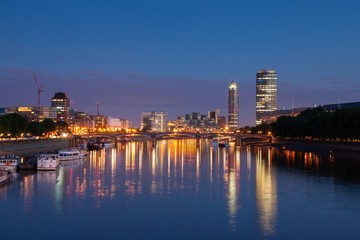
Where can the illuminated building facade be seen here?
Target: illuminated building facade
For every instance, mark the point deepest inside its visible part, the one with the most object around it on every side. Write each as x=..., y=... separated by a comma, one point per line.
x=214, y=115
x=48, y=112
x=62, y=105
x=197, y=122
x=100, y=121
x=266, y=93
x=117, y=123
x=154, y=121
x=26, y=111
x=233, y=106
x=81, y=119
x=221, y=122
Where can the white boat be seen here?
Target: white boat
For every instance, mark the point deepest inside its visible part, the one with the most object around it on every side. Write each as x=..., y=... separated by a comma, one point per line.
x=9, y=162
x=5, y=176
x=48, y=161
x=70, y=154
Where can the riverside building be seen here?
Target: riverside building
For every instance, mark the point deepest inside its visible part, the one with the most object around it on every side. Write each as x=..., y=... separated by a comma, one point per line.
x=266, y=93
x=233, y=106
x=154, y=121
x=62, y=105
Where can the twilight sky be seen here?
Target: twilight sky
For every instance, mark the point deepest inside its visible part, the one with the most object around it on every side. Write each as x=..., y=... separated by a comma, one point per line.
x=178, y=56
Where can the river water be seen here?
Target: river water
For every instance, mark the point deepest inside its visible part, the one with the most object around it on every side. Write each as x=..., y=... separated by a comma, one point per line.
x=180, y=189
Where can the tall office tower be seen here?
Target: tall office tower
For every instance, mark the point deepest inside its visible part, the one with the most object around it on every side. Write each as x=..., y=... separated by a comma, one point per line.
x=61, y=104
x=233, y=106
x=265, y=93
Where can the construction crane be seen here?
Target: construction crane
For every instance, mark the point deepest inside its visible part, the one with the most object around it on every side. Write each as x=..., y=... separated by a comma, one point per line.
x=39, y=89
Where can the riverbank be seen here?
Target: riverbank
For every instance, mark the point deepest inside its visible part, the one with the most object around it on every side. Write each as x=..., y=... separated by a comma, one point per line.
x=24, y=148
x=316, y=145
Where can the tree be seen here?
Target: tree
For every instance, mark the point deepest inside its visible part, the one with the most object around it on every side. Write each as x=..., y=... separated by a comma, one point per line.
x=48, y=125
x=62, y=126
x=35, y=129
x=13, y=124
x=317, y=123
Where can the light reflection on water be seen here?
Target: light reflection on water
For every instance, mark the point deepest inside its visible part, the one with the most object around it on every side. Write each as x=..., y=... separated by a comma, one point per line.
x=266, y=192
x=234, y=192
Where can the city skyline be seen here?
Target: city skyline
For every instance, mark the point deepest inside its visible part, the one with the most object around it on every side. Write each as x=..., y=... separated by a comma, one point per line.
x=177, y=56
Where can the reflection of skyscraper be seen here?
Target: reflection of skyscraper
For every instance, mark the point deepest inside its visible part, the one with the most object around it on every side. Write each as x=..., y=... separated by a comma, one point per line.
x=233, y=106
x=233, y=180
x=266, y=192
x=62, y=105
x=265, y=93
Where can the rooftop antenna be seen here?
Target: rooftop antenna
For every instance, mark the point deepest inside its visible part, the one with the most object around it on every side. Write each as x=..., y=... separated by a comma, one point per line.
x=39, y=89
x=292, y=106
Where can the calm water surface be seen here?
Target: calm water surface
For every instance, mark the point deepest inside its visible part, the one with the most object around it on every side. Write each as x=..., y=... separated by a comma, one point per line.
x=178, y=189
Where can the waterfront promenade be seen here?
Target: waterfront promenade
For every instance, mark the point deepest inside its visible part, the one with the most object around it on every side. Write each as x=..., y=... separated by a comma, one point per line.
x=33, y=146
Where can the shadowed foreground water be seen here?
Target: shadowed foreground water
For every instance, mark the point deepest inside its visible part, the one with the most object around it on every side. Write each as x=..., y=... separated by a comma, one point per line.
x=181, y=190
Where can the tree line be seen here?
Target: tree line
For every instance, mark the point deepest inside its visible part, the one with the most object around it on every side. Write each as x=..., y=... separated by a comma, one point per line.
x=16, y=125
x=316, y=123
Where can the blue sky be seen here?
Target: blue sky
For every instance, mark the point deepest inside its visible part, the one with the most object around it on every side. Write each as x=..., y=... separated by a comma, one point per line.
x=178, y=56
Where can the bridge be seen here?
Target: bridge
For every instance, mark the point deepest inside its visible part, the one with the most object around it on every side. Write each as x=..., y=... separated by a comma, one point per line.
x=240, y=139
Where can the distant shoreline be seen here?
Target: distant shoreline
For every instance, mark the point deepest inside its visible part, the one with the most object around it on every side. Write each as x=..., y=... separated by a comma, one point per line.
x=316, y=145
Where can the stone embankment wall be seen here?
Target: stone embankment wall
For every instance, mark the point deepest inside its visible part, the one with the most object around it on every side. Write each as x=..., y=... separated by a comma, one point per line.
x=24, y=148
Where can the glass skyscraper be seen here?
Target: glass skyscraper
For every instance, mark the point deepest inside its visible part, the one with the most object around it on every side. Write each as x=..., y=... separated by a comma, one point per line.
x=266, y=93
x=233, y=106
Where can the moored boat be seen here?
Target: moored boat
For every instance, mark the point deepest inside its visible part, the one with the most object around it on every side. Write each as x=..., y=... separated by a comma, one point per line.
x=48, y=161
x=70, y=154
x=92, y=145
x=29, y=163
x=9, y=162
x=5, y=176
